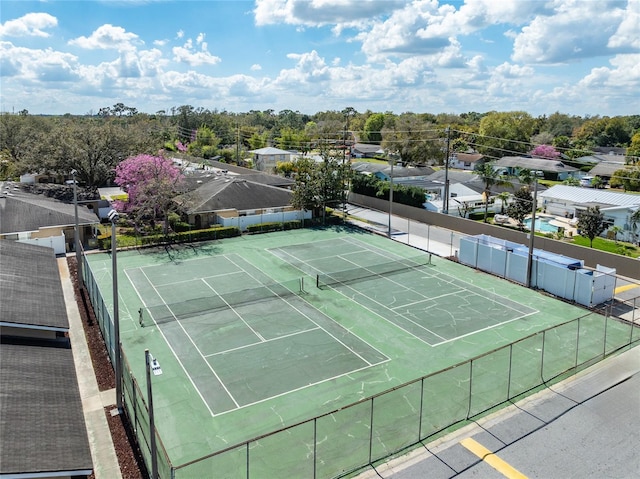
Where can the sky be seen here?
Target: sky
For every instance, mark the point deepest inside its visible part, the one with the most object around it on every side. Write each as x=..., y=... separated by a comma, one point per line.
x=579, y=57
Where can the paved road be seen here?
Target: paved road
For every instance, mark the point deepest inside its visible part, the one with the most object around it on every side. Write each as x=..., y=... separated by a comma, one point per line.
x=586, y=427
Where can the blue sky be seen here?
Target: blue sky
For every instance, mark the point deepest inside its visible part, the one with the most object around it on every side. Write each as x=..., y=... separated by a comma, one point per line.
x=580, y=57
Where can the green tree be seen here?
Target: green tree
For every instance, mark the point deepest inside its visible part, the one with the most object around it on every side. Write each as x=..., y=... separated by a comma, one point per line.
x=504, y=198
x=521, y=206
x=626, y=178
x=634, y=219
x=505, y=134
x=571, y=181
x=319, y=184
x=615, y=230
x=633, y=152
x=591, y=223
x=490, y=177
x=373, y=128
x=416, y=142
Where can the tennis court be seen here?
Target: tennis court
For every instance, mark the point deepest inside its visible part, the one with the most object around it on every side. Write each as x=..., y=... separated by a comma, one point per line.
x=260, y=333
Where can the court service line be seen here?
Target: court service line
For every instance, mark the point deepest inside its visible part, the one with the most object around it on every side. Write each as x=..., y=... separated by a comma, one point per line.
x=265, y=341
x=318, y=325
x=192, y=342
x=256, y=333
x=169, y=344
x=490, y=458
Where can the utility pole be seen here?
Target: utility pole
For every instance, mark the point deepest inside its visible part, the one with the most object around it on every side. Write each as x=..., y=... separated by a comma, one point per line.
x=532, y=232
x=445, y=203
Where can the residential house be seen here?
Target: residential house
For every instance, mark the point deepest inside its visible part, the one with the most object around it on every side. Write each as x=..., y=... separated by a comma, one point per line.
x=266, y=159
x=605, y=170
x=550, y=169
x=465, y=161
x=42, y=427
x=571, y=201
x=38, y=219
x=366, y=150
x=236, y=200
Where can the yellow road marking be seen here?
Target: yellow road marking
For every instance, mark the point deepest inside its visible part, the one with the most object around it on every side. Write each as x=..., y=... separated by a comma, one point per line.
x=490, y=458
x=626, y=287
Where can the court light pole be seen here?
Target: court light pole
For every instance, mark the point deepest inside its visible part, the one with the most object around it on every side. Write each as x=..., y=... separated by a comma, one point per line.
x=114, y=217
x=76, y=230
x=532, y=232
x=390, y=197
x=152, y=365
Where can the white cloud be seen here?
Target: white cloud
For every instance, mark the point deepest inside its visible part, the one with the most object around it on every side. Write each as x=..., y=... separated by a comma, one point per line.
x=29, y=25
x=313, y=13
x=187, y=54
x=256, y=67
x=37, y=65
x=624, y=74
x=627, y=34
x=577, y=29
x=508, y=70
x=108, y=37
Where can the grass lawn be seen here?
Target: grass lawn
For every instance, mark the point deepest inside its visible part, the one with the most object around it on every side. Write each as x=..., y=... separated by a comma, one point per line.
x=619, y=247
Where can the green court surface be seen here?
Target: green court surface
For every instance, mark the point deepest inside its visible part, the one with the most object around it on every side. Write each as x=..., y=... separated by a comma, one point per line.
x=257, y=333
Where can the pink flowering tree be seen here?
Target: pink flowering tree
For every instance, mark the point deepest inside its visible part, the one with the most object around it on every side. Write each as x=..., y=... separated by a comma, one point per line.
x=152, y=183
x=547, y=152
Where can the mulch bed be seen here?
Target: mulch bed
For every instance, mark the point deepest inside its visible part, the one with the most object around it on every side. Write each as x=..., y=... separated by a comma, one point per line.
x=129, y=456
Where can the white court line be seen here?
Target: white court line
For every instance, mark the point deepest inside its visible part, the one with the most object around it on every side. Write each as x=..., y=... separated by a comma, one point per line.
x=171, y=348
x=184, y=281
x=301, y=388
x=444, y=295
x=375, y=312
x=256, y=333
x=264, y=341
x=310, y=319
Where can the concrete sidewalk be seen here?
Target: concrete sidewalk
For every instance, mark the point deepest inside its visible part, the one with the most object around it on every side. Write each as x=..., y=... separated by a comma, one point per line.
x=103, y=455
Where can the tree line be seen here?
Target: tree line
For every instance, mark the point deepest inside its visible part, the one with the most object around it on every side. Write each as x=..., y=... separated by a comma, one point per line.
x=94, y=145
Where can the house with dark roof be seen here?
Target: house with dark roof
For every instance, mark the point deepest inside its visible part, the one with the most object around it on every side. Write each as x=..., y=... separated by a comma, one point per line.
x=366, y=150
x=605, y=170
x=42, y=427
x=551, y=169
x=42, y=220
x=238, y=200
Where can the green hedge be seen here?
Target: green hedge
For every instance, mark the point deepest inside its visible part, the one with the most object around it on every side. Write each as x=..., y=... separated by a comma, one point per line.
x=180, y=237
x=274, y=226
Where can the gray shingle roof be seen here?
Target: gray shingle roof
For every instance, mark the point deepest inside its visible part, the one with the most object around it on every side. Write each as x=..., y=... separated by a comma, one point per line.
x=555, y=166
x=605, y=169
x=42, y=428
x=238, y=193
x=22, y=211
x=30, y=287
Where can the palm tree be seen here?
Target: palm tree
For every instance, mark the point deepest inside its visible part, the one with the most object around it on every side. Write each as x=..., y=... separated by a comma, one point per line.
x=491, y=177
x=615, y=230
x=503, y=197
x=635, y=221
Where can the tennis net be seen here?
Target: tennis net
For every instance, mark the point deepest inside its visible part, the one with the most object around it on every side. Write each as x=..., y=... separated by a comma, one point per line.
x=365, y=272
x=167, y=312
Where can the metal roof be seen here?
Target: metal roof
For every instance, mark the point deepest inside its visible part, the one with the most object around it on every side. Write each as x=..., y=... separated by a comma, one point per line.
x=576, y=194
